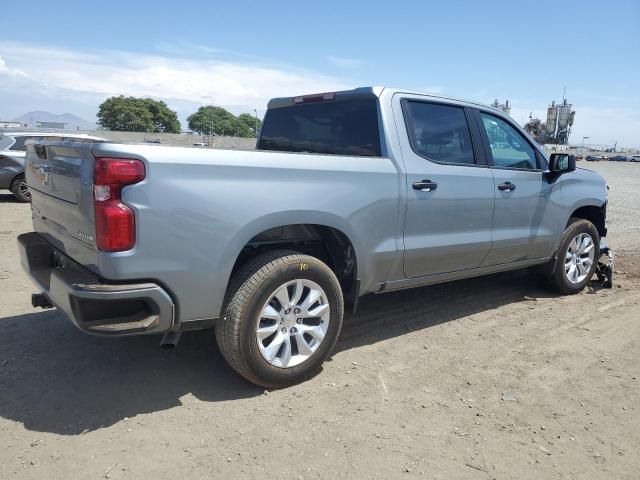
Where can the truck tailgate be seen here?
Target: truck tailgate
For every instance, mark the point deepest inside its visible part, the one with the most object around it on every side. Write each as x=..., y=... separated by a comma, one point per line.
x=60, y=178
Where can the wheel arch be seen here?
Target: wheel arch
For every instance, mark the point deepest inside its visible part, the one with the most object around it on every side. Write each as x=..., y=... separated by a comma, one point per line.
x=594, y=213
x=15, y=179
x=324, y=235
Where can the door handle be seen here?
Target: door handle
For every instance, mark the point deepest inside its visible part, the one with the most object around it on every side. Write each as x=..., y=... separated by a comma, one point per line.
x=507, y=187
x=425, y=185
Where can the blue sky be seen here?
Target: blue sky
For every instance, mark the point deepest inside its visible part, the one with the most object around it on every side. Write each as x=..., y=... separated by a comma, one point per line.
x=68, y=56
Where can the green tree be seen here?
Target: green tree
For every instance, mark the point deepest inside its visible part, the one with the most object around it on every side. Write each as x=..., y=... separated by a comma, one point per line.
x=138, y=115
x=212, y=120
x=217, y=120
x=248, y=124
x=164, y=119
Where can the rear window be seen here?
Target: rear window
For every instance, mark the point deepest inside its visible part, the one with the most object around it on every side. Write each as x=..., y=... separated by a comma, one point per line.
x=347, y=127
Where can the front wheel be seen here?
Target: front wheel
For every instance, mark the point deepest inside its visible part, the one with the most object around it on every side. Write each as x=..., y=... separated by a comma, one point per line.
x=282, y=318
x=20, y=189
x=577, y=257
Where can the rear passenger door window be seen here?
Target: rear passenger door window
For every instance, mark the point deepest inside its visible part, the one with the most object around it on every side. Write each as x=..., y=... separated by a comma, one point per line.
x=439, y=133
x=509, y=148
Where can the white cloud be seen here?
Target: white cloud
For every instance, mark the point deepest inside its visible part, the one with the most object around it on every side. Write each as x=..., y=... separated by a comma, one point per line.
x=12, y=72
x=98, y=74
x=344, y=62
x=34, y=77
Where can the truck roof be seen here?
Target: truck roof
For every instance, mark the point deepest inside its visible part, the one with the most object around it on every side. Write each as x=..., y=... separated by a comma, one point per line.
x=368, y=92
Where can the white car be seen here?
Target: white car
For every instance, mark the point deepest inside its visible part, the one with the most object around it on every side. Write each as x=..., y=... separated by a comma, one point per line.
x=13, y=150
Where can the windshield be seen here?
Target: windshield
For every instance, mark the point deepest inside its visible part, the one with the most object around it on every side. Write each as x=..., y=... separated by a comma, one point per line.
x=348, y=127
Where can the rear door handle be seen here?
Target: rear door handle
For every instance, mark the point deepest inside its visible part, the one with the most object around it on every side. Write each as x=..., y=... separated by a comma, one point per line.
x=425, y=185
x=507, y=187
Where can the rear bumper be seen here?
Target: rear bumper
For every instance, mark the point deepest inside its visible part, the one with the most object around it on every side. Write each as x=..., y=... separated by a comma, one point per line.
x=93, y=306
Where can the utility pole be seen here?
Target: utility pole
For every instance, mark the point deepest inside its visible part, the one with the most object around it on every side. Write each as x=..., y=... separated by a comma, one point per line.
x=256, y=112
x=582, y=145
x=211, y=131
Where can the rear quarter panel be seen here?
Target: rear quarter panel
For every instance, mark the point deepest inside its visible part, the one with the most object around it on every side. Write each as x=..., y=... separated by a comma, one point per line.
x=197, y=209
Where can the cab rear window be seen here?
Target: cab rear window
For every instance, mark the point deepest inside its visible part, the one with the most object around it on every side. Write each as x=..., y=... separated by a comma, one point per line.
x=342, y=127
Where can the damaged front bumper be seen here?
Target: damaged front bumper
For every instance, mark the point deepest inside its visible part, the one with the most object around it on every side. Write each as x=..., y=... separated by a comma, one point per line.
x=604, y=269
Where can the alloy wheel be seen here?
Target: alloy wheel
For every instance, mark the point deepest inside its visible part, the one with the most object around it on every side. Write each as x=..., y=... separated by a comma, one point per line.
x=293, y=323
x=579, y=258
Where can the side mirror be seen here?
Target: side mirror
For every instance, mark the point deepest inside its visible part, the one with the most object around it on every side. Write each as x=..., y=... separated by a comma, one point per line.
x=560, y=163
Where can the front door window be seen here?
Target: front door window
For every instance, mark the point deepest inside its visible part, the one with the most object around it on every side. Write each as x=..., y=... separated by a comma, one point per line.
x=508, y=147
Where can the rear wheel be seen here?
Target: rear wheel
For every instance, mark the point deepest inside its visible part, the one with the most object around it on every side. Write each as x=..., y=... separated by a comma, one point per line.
x=282, y=318
x=20, y=189
x=577, y=258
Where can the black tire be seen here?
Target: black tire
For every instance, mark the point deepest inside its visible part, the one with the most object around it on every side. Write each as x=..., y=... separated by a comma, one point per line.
x=248, y=291
x=554, y=272
x=18, y=188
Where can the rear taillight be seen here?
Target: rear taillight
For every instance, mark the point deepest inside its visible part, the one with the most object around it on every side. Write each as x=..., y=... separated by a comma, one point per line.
x=115, y=222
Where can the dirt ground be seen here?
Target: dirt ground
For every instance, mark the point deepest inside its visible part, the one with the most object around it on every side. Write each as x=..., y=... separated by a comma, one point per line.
x=487, y=378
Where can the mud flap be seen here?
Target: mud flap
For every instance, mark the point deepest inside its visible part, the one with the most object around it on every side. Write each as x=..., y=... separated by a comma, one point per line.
x=604, y=270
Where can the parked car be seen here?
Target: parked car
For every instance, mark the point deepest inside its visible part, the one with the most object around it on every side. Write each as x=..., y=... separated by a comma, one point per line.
x=363, y=191
x=12, y=154
x=200, y=145
x=634, y=158
x=618, y=158
x=593, y=158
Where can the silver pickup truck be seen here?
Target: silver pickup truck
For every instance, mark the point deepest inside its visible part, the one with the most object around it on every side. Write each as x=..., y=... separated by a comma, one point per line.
x=348, y=193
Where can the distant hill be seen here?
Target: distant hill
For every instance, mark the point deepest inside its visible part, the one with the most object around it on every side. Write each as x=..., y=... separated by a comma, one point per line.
x=71, y=120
